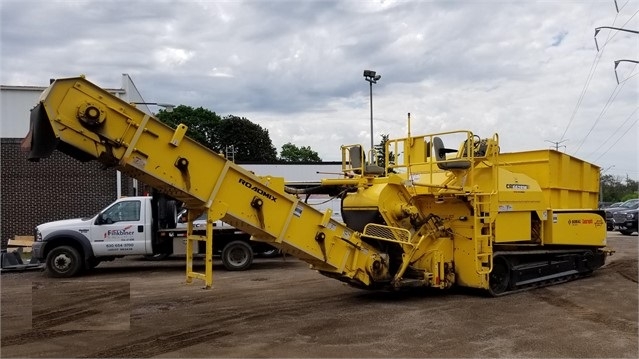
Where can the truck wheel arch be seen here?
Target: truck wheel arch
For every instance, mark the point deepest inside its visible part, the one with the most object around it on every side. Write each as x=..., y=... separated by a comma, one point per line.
x=68, y=238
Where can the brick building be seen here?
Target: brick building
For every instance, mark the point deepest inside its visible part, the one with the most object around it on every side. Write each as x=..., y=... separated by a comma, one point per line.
x=55, y=188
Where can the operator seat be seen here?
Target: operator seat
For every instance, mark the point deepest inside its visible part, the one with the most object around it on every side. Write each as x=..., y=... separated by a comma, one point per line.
x=440, y=155
x=358, y=158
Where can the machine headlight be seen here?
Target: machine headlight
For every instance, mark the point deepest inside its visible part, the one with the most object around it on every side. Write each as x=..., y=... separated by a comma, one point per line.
x=631, y=215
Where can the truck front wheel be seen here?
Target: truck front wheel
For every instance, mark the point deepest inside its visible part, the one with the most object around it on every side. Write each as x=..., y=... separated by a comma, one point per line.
x=64, y=262
x=237, y=256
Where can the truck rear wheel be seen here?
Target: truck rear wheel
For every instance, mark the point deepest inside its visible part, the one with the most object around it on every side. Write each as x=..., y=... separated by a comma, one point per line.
x=237, y=256
x=64, y=262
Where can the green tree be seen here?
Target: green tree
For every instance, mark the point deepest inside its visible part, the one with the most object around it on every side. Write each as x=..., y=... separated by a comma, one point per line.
x=617, y=189
x=202, y=123
x=292, y=153
x=250, y=141
x=380, y=152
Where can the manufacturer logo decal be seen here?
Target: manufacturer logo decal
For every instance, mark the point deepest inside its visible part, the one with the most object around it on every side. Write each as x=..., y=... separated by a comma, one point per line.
x=257, y=190
x=576, y=222
x=517, y=186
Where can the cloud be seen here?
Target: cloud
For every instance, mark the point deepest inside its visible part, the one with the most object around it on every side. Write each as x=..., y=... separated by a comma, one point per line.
x=518, y=67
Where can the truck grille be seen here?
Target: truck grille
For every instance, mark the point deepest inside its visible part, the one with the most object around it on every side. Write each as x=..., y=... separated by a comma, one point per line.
x=619, y=217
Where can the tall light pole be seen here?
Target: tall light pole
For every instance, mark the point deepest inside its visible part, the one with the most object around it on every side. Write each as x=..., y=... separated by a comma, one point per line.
x=372, y=77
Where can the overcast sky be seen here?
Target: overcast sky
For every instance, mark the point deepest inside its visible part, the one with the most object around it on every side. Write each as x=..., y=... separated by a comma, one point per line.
x=528, y=70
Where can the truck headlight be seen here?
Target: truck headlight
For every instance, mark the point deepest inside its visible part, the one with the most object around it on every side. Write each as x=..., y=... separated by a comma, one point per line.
x=631, y=215
x=38, y=236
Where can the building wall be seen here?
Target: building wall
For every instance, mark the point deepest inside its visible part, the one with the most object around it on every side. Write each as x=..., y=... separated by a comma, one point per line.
x=55, y=188
x=297, y=172
x=15, y=103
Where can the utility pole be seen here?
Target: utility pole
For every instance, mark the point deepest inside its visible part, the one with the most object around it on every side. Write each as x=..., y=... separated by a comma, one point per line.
x=557, y=143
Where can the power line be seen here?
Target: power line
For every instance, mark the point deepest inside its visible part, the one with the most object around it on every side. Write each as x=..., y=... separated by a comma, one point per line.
x=593, y=66
x=624, y=24
x=615, y=132
x=620, y=137
x=622, y=6
x=591, y=74
x=611, y=99
x=597, y=29
x=629, y=77
x=617, y=64
x=618, y=88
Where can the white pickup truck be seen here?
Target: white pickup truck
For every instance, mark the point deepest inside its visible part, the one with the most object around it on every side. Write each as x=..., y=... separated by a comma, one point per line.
x=132, y=226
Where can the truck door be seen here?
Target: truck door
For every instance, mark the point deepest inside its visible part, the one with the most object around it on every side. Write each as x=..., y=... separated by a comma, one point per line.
x=120, y=229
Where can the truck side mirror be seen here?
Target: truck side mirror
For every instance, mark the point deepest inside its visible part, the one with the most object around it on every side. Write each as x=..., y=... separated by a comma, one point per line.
x=103, y=219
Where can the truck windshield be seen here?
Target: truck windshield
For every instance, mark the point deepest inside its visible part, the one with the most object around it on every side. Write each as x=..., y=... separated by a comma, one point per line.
x=632, y=204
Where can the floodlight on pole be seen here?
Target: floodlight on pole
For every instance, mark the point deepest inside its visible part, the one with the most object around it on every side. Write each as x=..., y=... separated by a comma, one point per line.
x=372, y=77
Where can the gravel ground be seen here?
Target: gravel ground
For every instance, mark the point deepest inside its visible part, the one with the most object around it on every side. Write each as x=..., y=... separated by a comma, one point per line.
x=279, y=308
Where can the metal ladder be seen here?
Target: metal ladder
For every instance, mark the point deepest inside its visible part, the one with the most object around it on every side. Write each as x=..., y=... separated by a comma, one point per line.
x=230, y=153
x=484, y=217
x=191, y=241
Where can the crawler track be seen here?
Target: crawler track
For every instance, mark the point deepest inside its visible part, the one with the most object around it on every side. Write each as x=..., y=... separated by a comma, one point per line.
x=516, y=271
